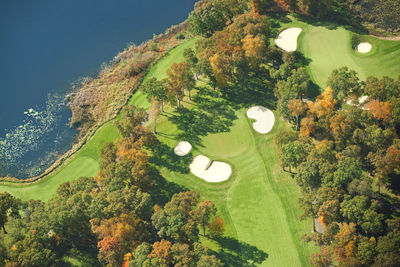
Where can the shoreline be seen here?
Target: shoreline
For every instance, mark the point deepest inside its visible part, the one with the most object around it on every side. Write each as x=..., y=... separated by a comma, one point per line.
x=66, y=157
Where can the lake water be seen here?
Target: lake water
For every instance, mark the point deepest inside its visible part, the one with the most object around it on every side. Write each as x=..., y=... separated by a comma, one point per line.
x=45, y=45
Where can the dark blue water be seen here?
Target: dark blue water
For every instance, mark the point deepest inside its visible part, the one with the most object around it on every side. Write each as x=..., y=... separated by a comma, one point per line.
x=47, y=44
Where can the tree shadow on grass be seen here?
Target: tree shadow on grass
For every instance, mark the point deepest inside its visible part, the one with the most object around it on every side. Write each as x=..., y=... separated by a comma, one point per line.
x=255, y=91
x=164, y=156
x=237, y=253
x=209, y=114
x=162, y=190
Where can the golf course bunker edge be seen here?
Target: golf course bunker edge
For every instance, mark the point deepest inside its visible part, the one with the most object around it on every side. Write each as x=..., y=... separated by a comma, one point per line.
x=182, y=148
x=211, y=171
x=265, y=119
x=287, y=39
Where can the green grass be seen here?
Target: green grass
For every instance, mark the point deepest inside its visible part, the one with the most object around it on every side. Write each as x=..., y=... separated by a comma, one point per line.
x=86, y=161
x=259, y=201
x=330, y=49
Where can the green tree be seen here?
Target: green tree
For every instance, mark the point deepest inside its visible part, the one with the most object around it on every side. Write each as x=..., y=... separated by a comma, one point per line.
x=155, y=89
x=344, y=83
x=131, y=117
x=9, y=206
x=191, y=58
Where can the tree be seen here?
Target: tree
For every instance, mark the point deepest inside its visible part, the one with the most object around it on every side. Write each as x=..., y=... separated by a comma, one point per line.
x=261, y=6
x=344, y=83
x=191, y=58
x=353, y=209
x=321, y=259
x=110, y=251
x=347, y=170
x=162, y=250
x=297, y=108
x=254, y=49
x=380, y=110
x=155, y=89
x=131, y=117
x=383, y=89
x=175, y=220
x=324, y=104
x=204, y=212
x=209, y=261
x=9, y=206
x=307, y=126
x=217, y=226
x=294, y=153
x=108, y=154
x=180, y=78
x=206, y=18
x=308, y=204
x=141, y=254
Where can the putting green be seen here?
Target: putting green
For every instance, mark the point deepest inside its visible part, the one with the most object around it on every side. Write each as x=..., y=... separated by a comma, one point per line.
x=330, y=49
x=86, y=161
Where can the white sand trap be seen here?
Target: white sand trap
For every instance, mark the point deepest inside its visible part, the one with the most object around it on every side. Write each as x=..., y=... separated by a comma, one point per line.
x=216, y=172
x=182, y=148
x=364, y=47
x=361, y=100
x=287, y=39
x=264, y=117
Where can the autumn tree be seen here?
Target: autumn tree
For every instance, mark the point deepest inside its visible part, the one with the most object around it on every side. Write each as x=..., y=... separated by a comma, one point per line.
x=254, y=49
x=321, y=259
x=110, y=251
x=180, y=78
x=380, y=110
x=162, y=250
x=204, y=212
x=9, y=206
x=297, y=108
x=217, y=226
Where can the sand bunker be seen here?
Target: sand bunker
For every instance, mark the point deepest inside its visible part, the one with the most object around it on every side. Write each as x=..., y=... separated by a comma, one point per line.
x=182, y=148
x=212, y=172
x=264, y=117
x=364, y=47
x=287, y=39
x=361, y=100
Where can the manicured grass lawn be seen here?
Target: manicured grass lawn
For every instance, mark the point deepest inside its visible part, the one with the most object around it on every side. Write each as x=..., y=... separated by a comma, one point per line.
x=330, y=49
x=86, y=161
x=259, y=201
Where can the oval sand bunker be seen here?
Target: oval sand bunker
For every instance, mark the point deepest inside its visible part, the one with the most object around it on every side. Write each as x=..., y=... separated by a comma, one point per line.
x=264, y=117
x=182, y=148
x=212, y=172
x=364, y=47
x=287, y=39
